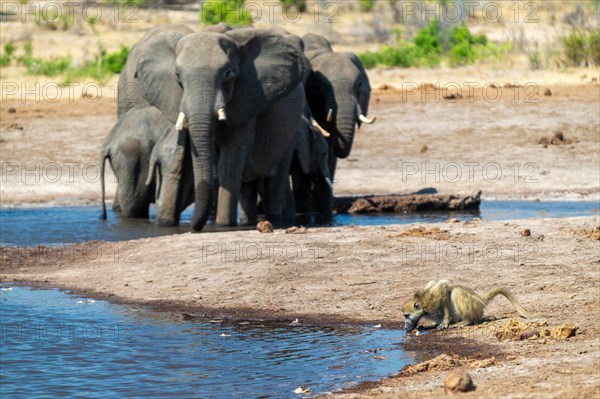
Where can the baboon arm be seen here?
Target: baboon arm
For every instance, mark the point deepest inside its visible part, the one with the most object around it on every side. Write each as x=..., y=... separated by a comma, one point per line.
x=446, y=315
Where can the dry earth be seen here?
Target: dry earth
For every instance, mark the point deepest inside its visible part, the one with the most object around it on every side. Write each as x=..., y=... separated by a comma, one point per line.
x=420, y=140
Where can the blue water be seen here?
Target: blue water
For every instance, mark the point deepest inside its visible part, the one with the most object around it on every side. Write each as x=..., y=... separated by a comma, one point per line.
x=63, y=225
x=58, y=345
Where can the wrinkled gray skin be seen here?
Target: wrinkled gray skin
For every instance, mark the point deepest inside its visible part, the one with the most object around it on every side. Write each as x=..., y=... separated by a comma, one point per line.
x=309, y=171
x=254, y=75
x=338, y=81
x=128, y=147
x=171, y=171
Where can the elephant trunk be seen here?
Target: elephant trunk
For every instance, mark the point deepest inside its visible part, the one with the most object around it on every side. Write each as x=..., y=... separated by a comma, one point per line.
x=346, y=125
x=201, y=126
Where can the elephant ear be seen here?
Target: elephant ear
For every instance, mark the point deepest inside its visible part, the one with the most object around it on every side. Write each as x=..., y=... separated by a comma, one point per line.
x=364, y=92
x=155, y=73
x=304, y=150
x=271, y=66
x=315, y=45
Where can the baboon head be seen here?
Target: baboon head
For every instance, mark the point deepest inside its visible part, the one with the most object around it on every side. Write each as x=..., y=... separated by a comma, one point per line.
x=413, y=311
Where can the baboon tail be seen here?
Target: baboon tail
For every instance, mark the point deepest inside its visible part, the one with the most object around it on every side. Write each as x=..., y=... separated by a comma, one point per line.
x=506, y=293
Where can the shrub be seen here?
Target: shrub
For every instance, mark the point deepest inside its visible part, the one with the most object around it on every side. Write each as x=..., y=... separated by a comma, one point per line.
x=232, y=12
x=594, y=47
x=426, y=48
x=114, y=62
x=574, y=47
x=366, y=5
x=9, y=49
x=51, y=67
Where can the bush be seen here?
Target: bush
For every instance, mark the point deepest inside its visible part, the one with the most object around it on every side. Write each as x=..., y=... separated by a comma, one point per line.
x=427, y=49
x=574, y=46
x=232, y=12
x=51, y=67
x=104, y=65
x=594, y=47
x=366, y=5
x=9, y=49
x=114, y=62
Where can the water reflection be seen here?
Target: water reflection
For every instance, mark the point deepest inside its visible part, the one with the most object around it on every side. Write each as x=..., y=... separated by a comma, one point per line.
x=64, y=225
x=54, y=344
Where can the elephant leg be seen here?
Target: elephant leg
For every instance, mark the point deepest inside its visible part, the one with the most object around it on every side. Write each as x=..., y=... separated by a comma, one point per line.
x=167, y=212
x=115, y=205
x=276, y=189
x=302, y=198
x=234, y=147
x=323, y=196
x=289, y=210
x=248, y=203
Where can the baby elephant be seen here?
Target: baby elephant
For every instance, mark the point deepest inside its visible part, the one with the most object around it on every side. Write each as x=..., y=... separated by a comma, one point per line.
x=128, y=147
x=447, y=304
x=171, y=172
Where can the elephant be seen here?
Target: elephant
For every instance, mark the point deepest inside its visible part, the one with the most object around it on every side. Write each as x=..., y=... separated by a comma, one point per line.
x=127, y=147
x=241, y=89
x=171, y=172
x=128, y=93
x=309, y=169
x=337, y=92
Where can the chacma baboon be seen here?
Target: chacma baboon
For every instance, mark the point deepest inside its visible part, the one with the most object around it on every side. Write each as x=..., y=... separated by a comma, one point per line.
x=446, y=304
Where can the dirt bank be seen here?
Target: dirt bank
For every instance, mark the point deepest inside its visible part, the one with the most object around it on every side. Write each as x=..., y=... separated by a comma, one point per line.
x=362, y=274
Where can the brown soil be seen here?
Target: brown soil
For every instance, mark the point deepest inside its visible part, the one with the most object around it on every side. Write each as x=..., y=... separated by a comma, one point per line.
x=50, y=150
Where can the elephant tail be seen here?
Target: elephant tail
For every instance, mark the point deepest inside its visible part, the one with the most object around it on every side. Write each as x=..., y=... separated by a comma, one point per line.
x=103, y=156
x=154, y=164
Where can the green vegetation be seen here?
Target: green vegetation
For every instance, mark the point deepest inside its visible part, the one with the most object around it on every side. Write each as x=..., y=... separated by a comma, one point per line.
x=232, y=12
x=366, y=5
x=104, y=65
x=9, y=49
x=582, y=48
x=430, y=45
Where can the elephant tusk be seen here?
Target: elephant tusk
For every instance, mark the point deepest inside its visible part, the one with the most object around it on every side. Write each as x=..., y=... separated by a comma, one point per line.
x=366, y=120
x=330, y=115
x=323, y=131
x=221, y=114
x=329, y=183
x=180, y=121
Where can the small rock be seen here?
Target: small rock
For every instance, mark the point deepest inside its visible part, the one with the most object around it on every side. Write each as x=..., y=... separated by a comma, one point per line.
x=458, y=380
x=296, y=230
x=525, y=233
x=384, y=86
x=548, y=92
x=264, y=227
x=559, y=135
x=424, y=148
x=12, y=110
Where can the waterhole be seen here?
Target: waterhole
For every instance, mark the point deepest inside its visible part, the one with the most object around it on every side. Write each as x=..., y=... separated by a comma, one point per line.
x=59, y=345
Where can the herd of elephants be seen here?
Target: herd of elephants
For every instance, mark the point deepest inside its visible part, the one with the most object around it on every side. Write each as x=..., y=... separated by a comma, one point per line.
x=228, y=119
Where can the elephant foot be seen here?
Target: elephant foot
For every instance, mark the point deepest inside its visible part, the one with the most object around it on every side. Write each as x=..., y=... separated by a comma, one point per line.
x=166, y=223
